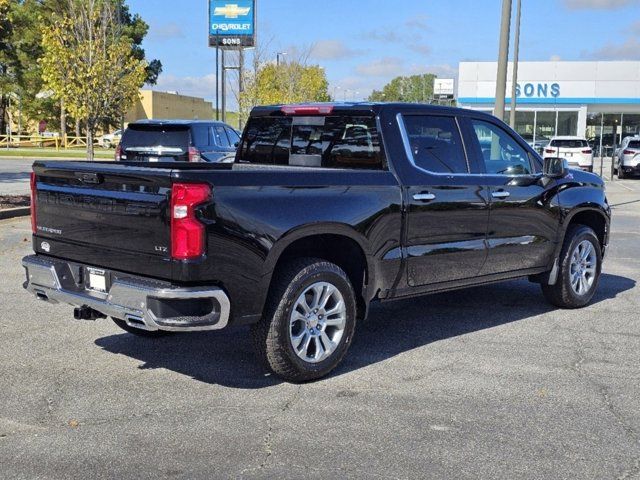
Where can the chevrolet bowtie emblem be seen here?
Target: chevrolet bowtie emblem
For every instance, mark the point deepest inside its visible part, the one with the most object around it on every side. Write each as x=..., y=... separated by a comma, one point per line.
x=231, y=10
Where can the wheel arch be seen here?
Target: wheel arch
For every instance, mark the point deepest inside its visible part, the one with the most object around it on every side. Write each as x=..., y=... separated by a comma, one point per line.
x=336, y=243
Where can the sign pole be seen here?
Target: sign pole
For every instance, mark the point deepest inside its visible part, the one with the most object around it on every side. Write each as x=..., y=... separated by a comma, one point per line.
x=224, y=88
x=217, y=83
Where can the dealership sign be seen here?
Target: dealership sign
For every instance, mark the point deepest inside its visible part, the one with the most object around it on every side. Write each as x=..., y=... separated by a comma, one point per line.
x=538, y=90
x=232, y=23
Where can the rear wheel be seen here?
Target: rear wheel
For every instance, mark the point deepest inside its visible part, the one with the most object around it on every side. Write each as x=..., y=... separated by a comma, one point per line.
x=621, y=173
x=138, y=331
x=309, y=321
x=579, y=269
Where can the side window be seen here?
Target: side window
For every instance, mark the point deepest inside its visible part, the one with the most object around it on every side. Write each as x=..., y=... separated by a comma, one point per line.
x=220, y=136
x=199, y=135
x=234, y=138
x=435, y=143
x=502, y=154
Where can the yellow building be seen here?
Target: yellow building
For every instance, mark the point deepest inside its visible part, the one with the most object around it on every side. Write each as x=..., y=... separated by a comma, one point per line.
x=158, y=105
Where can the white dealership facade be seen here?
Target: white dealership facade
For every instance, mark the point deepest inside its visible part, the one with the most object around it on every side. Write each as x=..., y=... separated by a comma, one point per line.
x=562, y=98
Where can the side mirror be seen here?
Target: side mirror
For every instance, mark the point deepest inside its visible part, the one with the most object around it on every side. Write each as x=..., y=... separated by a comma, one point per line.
x=555, y=167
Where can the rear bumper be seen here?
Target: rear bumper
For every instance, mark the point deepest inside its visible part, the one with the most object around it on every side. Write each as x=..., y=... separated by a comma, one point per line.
x=142, y=303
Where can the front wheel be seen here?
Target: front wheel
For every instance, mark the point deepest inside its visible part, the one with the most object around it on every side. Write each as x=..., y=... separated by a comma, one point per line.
x=579, y=269
x=309, y=320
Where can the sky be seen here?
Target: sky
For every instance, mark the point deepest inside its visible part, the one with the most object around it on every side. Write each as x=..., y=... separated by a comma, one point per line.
x=363, y=44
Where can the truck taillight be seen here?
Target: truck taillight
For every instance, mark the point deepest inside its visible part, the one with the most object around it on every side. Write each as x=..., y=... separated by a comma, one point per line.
x=34, y=197
x=588, y=151
x=118, y=153
x=194, y=154
x=187, y=232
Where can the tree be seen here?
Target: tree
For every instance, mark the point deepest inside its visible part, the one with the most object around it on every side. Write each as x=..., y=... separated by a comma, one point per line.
x=290, y=82
x=416, y=88
x=89, y=64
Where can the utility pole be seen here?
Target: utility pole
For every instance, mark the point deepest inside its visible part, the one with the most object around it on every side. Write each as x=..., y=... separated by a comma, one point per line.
x=503, y=57
x=217, y=83
x=514, y=80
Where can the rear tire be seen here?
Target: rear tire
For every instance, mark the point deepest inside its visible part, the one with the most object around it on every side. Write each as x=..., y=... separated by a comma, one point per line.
x=138, y=331
x=579, y=269
x=308, y=322
x=621, y=174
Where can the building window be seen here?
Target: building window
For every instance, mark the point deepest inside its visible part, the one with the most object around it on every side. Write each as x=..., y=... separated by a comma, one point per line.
x=567, y=123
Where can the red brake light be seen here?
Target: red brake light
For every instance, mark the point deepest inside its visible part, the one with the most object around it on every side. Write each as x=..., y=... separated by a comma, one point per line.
x=187, y=233
x=549, y=150
x=628, y=152
x=194, y=154
x=588, y=150
x=118, y=153
x=34, y=197
x=307, y=109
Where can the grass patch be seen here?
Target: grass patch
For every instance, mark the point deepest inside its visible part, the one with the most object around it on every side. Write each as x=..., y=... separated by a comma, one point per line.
x=101, y=153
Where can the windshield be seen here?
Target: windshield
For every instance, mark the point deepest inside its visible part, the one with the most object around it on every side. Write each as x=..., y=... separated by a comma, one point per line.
x=156, y=135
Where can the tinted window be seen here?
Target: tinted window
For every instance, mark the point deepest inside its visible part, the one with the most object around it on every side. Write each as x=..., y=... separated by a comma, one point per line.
x=234, y=138
x=501, y=152
x=634, y=144
x=331, y=142
x=156, y=135
x=569, y=143
x=435, y=143
x=267, y=140
x=200, y=135
x=220, y=136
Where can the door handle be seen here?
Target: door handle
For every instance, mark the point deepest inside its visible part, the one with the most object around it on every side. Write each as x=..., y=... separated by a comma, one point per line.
x=501, y=194
x=424, y=197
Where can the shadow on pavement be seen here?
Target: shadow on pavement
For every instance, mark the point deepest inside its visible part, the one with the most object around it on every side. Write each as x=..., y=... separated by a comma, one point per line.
x=8, y=177
x=226, y=357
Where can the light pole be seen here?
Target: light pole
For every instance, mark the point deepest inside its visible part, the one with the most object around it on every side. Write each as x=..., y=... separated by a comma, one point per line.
x=514, y=80
x=503, y=57
x=278, y=57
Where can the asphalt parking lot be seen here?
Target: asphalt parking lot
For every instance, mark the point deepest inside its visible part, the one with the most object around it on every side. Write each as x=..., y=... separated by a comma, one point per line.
x=485, y=383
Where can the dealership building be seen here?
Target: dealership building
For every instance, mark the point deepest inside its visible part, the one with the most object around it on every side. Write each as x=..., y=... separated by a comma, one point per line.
x=589, y=99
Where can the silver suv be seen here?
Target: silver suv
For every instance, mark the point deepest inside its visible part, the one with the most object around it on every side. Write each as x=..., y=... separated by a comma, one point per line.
x=628, y=157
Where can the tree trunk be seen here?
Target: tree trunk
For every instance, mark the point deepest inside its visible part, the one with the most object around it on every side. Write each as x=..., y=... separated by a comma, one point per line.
x=90, y=130
x=63, y=121
x=77, y=127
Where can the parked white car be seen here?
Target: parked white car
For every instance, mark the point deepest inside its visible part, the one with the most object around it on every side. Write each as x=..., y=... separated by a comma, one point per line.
x=628, y=156
x=575, y=150
x=110, y=139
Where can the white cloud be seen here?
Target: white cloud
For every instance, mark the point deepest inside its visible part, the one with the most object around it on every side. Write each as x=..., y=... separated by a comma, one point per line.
x=166, y=31
x=204, y=86
x=599, y=4
x=331, y=50
x=628, y=50
x=418, y=22
x=383, y=67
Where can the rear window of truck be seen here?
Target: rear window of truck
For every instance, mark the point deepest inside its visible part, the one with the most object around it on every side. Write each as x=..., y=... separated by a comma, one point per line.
x=156, y=135
x=329, y=142
x=569, y=143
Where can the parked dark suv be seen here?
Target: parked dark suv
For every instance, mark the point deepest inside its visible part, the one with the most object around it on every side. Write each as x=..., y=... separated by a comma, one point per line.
x=177, y=141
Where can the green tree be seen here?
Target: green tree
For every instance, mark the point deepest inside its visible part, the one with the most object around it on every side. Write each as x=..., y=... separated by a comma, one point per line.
x=291, y=82
x=89, y=64
x=416, y=88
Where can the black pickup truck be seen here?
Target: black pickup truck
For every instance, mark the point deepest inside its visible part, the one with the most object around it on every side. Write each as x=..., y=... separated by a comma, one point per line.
x=327, y=208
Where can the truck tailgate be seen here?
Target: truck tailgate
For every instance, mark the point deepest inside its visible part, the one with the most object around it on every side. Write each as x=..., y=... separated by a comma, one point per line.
x=104, y=213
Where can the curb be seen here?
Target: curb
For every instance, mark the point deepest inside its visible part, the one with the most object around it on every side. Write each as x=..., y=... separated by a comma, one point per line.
x=15, y=212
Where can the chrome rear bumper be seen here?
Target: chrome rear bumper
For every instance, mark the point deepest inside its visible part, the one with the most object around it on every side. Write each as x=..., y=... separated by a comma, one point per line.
x=142, y=303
